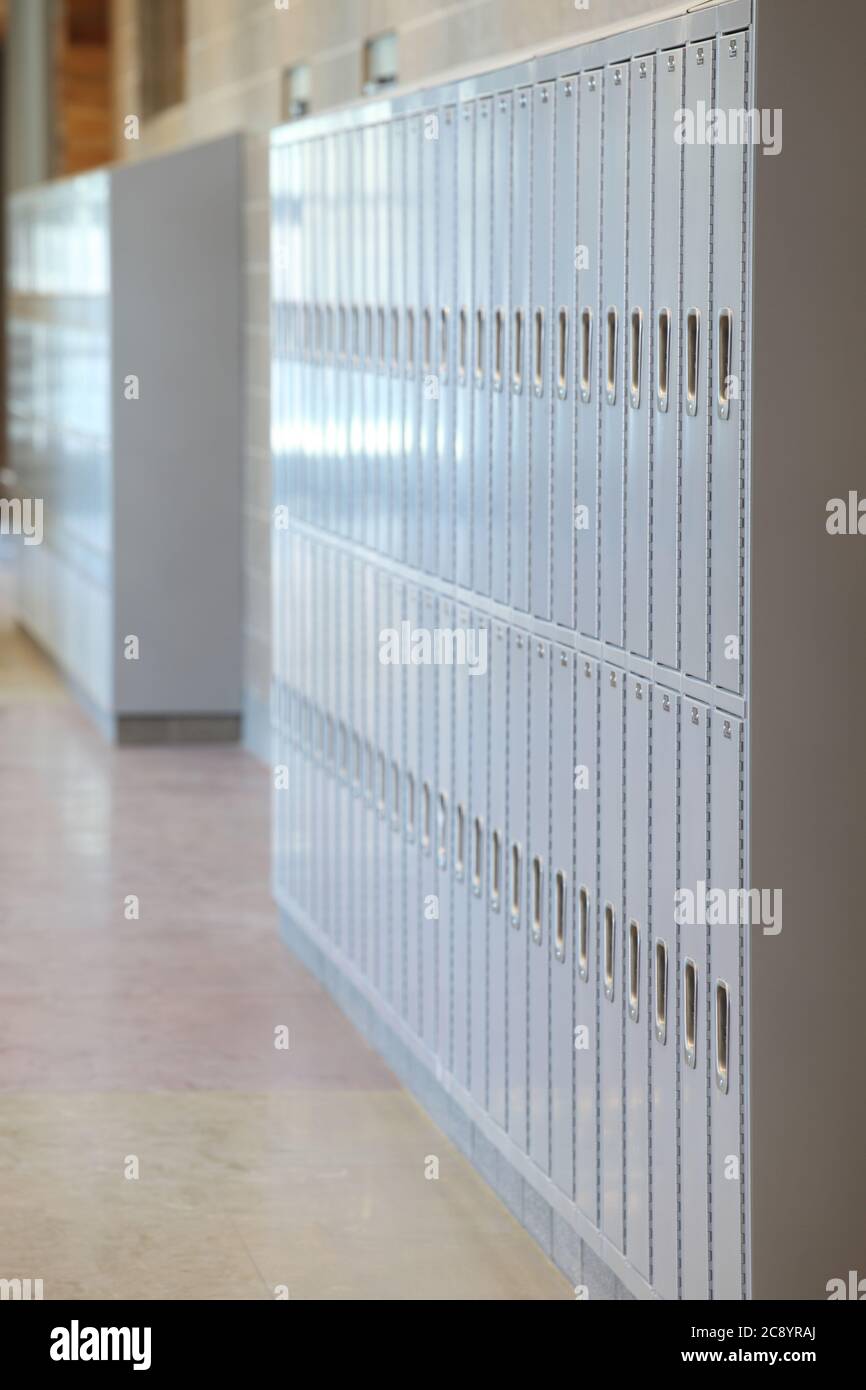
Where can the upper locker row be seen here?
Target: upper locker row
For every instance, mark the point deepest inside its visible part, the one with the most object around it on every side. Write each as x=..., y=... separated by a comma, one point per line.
x=509, y=342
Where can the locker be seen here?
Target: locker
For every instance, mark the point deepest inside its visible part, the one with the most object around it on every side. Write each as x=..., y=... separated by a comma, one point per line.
x=638, y=330
x=663, y=953
x=326, y=294
x=500, y=308
x=668, y=317
x=612, y=947
x=694, y=1002
x=697, y=331
x=518, y=525
x=412, y=338
x=636, y=927
x=460, y=811
x=305, y=162
x=478, y=754
x=481, y=342
x=403, y=813
x=726, y=944
x=537, y=878
x=543, y=334
x=376, y=739
x=429, y=222
x=418, y=838
x=451, y=727
x=444, y=331
x=564, y=317
x=371, y=338
x=727, y=378
x=436, y=930
x=333, y=844
x=359, y=758
x=385, y=693
x=518, y=933
x=355, y=170
x=561, y=900
x=344, y=918
x=342, y=292
x=400, y=386
x=497, y=853
x=315, y=809
x=464, y=342
x=614, y=334
x=587, y=954
x=587, y=350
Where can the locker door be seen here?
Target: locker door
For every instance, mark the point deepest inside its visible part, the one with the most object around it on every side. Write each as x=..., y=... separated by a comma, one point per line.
x=477, y=871
x=667, y=316
x=730, y=220
x=587, y=954
x=429, y=222
x=726, y=1017
x=636, y=927
x=382, y=330
x=561, y=898
x=518, y=931
x=497, y=854
x=464, y=336
x=444, y=335
x=460, y=822
x=500, y=308
x=537, y=874
x=562, y=328
x=306, y=331
x=613, y=331
x=611, y=979
x=400, y=386
x=356, y=336
x=587, y=346
x=373, y=374
x=520, y=372
x=418, y=837
x=386, y=692
x=344, y=916
x=451, y=724
x=313, y=500
x=315, y=810
x=481, y=342
x=694, y=995
x=412, y=338
x=665, y=974
x=360, y=769
x=638, y=330
x=377, y=773
x=327, y=271
x=542, y=333
x=403, y=814
x=697, y=333
x=342, y=295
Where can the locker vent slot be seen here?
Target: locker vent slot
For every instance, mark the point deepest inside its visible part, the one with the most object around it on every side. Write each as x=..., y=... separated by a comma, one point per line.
x=693, y=348
x=663, y=357
x=498, y=334
x=443, y=342
x=539, y=351
x=611, y=356
x=427, y=342
x=723, y=1019
x=462, y=345
x=479, y=347
x=583, y=934
x=634, y=971
x=425, y=816
x=563, y=353
x=395, y=339
x=496, y=870
x=609, y=947
x=559, y=916
x=586, y=355
x=410, y=803
x=410, y=340
x=442, y=842
x=690, y=1011
x=515, y=885
x=726, y=335
x=536, y=898
x=518, y=350
x=395, y=795
x=477, y=853
x=636, y=355
x=460, y=842
x=661, y=992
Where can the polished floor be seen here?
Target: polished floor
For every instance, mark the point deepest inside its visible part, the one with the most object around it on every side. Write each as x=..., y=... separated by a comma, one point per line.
x=154, y=1142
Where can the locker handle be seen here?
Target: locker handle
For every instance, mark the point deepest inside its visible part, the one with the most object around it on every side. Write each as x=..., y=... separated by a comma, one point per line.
x=539, y=352
x=425, y=817
x=410, y=341
x=329, y=332
x=611, y=355
x=479, y=347
x=693, y=351
x=383, y=346
x=690, y=1012
x=583, y=935
x=318, y=342
x=443, y=343
x=563, y=354
x=330, y=743
x=537, y=884
x=442, y=848
x=559, y=916
x=586, y=355
x=395, y=795
x=498, y=335
x=395, y=339
x=609, y=946
x=723, y=1033
x=344, y=750
x=460, y=841
x=356, y=762
x=515, y=885
x=307, y=331
x=663, y=358
x=726, y=334
x=517, y=373
x=495, y=869
x=661, y=992
x=381, y=783
x=368, y=334
x=342, y=336
x=634, y=971
x=477, y=854
x=636, y=355
x=463, y=334
x=410, y=805
x=426, y=342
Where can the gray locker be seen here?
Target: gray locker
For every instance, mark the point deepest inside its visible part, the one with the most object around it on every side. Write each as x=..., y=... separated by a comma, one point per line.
x=383, y=331
x=481, y=346
x=500, y=309
x=478, y=754
x=445, y=132
x=316, y=807
x=376, y=765
x=464, y=337
x=613, y=346
x=385, y=694
x=418, y=839
x=370, y=346
x=537, y=875
x=542, y=332
x=518, y=930
x=694, y=1002
x=563, y=378
x=460, y=810
x=560, y=915
x=520, y=354
x=587, y=351
x=436, y=895
x=343, y=632
x=400, y=386
x=359, y=764
x=612, y=948
x=587, y=952
x=341, y=213
x=497, y=855
x=412, y=338
x=429, y=223
x=697, y=331
x=636, y=976
x=639, y=402
x=358, y=404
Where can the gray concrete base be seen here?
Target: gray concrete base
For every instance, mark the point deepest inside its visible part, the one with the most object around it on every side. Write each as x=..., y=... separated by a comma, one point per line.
x=581, y=1265
x=161, y=730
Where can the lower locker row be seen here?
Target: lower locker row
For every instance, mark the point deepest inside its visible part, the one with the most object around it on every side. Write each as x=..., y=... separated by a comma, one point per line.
x=511, y=841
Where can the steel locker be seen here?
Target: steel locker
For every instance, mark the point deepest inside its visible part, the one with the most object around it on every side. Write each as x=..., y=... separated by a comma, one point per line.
x=588, y=350
x=664, y=961
x=479, y=753
x=444, y=337
x=358, y=403
x=560, y=916
x=429, y=223
x=612, y=947
x=697, y=331
x=315, y=810
x=562, y=329
x=587, y=957
x=613, y=335
x=327, y=468
x=464, y=328
x=341, y=212
x=301, y=795
x=667, y=356
x=374, y=374
x=639, y=357
x=296, y=778
x=436, y=895
x=383, y=331
x=520, y=353
x=537, y=877
x=481, y=344
x=386, y=692
x=459, y=822
x=332, y=840
x=376, y=761
x=542, y=338
x=359, y=762
x=418, y=838
x=727, y=376
x=727, y=934
x=500, y=310
x=636, y=976
x=400, y=387
x=412, y=337
x=316, y=456
x=497, y=853
x=517, y=963
x=446, y=720
x=404, y=803
x=305, y=369
x=694, y=1001
x=345, y=682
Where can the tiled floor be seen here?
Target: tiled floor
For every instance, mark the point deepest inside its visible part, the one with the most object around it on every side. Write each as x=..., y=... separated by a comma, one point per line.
x=148, y=1043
